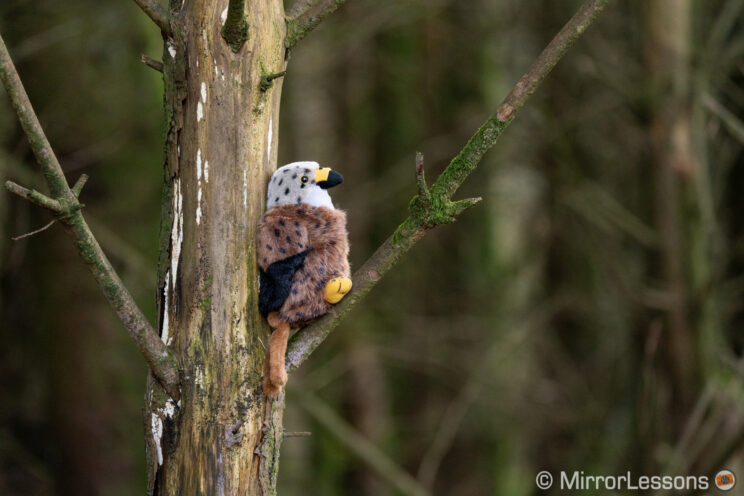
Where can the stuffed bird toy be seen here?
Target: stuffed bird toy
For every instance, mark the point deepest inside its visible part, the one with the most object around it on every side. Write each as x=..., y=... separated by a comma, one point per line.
x=303, y=253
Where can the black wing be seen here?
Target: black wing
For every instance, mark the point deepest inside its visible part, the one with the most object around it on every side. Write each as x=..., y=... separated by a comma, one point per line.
x=276, y=281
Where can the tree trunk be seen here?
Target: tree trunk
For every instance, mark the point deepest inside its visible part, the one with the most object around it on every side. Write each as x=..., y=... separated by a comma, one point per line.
x=222, y=437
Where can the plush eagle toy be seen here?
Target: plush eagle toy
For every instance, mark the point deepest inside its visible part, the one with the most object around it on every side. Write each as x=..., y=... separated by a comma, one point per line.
x=303, y=253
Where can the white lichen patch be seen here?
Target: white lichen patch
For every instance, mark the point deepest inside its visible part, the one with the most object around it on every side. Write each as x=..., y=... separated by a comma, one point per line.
x=169, y=409
x=166, y=310
x=206, y=171
x=157, y=435
x=268, y=140
x=171, y=48
x=216, y=72
x=156, y=425
x=220, y=476
x=223, y=16
x=198, y=205
x=176, y=230
x=199, y=111
x=198, y=165
x=204, y=92
x=245, y=189
x=199, y=185
x=199, y=378
x=240, y=336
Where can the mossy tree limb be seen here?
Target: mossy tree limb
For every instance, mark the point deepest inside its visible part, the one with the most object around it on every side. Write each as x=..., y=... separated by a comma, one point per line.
x=432, y=207
x=34, y=196
x=64, y=204
x=235, y=29
x=305, y=15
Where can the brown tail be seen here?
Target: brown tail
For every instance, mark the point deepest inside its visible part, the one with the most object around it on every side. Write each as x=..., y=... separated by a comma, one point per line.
x=275, y=377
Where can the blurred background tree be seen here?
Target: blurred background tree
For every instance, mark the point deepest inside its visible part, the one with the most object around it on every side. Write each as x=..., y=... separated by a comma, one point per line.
x=586, y=316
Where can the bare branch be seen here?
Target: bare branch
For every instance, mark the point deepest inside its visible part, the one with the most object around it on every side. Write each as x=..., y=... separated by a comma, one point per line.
x=65, y=205
x=35, y=197
x=37, y=231
x=267, y=80
x=79, y=184
x=157, y=13
x=305, y=15
x=423, y=189
x=298, y=434
x=482, y=141
x=435, y=208
x=729, y=119
x=359, y=445
x=152, y=63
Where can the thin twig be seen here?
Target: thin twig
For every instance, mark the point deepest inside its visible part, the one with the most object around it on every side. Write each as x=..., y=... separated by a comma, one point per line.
x=420, y=218
x=729, y=119
x=79, y=184
x=451, y=420
x=41, y=229
x=152, y=63
x=729, y=446
x=692, y=427
x=305, y=15
x=157, y=13
x=423, y=189
x=298, y=434
x=64, y=203
x=359, y=445
x=267, y=79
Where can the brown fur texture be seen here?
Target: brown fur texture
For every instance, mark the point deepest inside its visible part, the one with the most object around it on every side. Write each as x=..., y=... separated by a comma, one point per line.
x=287, y=230
x=275, y=376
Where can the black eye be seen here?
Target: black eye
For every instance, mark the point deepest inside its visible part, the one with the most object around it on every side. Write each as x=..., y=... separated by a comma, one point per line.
x=303, y=179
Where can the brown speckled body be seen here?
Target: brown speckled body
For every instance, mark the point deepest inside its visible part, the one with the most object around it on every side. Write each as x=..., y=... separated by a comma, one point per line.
x=287, y=230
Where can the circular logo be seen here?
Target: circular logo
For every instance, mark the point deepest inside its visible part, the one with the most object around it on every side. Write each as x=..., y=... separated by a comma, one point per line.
x=544, y=480
x=725, y=480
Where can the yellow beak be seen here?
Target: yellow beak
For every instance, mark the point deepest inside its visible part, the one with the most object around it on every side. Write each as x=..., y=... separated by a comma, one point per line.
x=322, y=174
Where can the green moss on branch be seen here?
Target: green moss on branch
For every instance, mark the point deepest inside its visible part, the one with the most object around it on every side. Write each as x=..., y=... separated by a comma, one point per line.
x=65, y=206
x=235, y=29
x=433, y=207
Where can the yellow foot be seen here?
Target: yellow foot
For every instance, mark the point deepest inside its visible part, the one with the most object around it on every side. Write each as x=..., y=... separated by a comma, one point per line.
x=336, y=289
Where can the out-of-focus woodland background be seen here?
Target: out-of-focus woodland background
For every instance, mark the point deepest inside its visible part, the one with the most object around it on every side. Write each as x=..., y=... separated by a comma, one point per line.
x=586, y=316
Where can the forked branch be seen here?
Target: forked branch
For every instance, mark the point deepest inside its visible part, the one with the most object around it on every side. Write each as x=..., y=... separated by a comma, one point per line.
x=157, y=13
x=305, y=15
x=63, y=204
x=152, y=63
x=433, y=206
